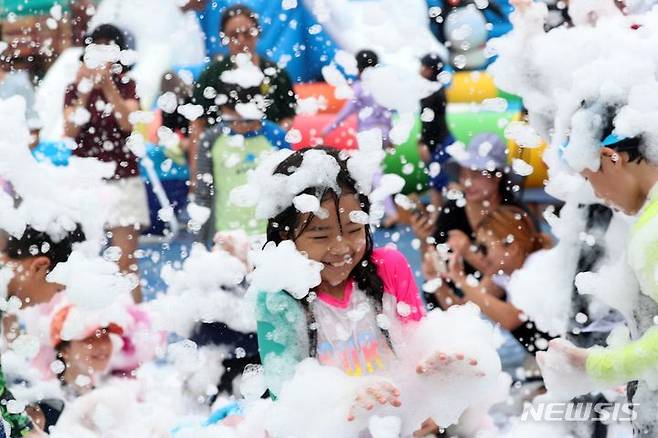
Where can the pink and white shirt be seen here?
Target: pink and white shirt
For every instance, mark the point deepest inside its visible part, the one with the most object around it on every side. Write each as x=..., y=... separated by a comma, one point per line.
x=349, y=330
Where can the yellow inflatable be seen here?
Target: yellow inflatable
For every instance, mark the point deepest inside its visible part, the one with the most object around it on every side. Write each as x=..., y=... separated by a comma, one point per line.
x=532, y=156
x=471, y=86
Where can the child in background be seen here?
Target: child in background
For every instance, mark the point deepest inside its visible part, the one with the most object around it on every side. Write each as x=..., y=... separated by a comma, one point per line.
x=227, y=152
x=435, y=135
x=86, y=355
x=355, y=275
x=505, y=238
x=370, y=115
x=97, y=109
x=627, y=179
x=30, y=285
x=86, y=344
x=32, y=257
x=486, y=185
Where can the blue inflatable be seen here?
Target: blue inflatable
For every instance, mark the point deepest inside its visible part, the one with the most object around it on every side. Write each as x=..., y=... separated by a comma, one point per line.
x=500, y=26
x=284, y=34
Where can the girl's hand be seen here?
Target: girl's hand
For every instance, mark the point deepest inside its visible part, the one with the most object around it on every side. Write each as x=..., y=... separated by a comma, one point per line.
x=235, y=243
x=456, y=272
x=458, y=241
x=367, y=398
x=84, y=72
x=105, y=78
x=440, y=361
x=424, y=152
x=429, y=265
x=423, y=224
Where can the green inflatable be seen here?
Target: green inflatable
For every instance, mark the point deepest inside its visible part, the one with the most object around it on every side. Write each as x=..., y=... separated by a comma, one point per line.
x=463, y=125
x=406, y=163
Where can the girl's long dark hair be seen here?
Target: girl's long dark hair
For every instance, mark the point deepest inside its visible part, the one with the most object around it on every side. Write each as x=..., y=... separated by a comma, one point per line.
x=286, y=226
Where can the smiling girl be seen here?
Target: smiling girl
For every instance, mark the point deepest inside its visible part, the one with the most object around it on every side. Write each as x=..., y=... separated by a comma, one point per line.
x=364, y=296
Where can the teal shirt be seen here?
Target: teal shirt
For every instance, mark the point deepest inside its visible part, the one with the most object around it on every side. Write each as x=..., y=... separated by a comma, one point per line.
x=281, y=327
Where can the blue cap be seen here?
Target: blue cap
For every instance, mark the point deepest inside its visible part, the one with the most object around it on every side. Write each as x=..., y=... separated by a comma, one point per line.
x=610, y=140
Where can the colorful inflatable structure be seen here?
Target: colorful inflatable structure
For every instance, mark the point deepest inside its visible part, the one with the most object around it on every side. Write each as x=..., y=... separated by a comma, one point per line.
x=304, y=36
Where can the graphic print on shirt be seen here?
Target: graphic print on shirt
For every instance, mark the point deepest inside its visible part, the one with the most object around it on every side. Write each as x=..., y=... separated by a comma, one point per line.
x=348, y=335
x=356, y=356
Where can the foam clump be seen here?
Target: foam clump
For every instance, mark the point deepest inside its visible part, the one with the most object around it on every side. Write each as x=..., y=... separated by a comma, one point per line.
x=443, y=395
x=570, y=80
x=44, y=205
x=542, y=288
x=91, y=282
x=275, y=259
x=206, y=288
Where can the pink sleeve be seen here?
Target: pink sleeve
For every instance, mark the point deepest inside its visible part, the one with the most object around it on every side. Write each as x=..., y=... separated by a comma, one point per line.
x=399, y=281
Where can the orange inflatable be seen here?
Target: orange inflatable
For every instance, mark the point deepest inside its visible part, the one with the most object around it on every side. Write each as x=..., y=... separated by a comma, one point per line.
x=311, y=127
x=322, y=91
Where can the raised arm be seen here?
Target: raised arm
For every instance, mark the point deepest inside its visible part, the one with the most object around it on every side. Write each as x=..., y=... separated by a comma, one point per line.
x=634, y=361
x=282, y=337
x=74, y=99
x=123, y=105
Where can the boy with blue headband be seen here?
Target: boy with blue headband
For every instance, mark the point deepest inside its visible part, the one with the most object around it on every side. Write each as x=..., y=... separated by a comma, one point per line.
x=628, y=181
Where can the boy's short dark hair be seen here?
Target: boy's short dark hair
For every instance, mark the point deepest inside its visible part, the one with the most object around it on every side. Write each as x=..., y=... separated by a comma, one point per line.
x=108, y=32
x=366, y=58
x=35, y=243
x=632, y=145
x=237, y=10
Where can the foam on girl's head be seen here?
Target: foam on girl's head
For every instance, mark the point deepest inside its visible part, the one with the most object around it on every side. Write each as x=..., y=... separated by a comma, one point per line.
x=284, y=175
x=308, y=180
x=322, y=173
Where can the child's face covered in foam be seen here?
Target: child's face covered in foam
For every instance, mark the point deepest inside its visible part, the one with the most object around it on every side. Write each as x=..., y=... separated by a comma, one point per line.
x=333, y=238
x=90, y=355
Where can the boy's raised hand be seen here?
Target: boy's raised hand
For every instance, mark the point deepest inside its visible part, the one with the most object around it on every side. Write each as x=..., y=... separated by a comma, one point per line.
x=576, y=356
x=381, y=392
